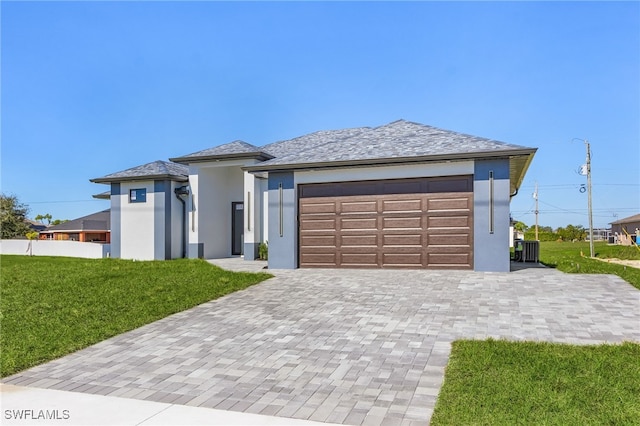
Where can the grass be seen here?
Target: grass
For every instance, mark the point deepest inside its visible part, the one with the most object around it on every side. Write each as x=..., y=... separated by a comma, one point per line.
x=52, y=306
x=503, y=383
x=574, y=258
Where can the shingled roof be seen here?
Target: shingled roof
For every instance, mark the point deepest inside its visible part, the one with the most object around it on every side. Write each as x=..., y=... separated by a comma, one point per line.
x=397, y=142
x=233, y=150
x=100, y=221
x=630, y=219
x=400, y=140
x=154, y=170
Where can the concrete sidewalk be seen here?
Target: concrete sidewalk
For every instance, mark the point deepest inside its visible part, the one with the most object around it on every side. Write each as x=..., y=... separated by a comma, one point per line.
x=32, y=406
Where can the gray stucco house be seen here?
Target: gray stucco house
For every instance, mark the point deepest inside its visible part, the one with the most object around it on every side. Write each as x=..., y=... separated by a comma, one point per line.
x=398, y=195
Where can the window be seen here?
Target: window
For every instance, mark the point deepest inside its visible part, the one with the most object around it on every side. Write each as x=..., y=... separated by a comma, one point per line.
x=138, y=195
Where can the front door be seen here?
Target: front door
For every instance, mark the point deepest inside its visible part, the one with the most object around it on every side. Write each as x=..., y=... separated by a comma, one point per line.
x=237, y=227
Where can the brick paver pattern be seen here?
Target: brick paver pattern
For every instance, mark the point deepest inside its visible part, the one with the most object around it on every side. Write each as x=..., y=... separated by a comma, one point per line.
x=341, y=346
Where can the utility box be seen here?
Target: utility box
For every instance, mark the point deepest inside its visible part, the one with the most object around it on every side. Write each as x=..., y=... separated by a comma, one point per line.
x=526, y=251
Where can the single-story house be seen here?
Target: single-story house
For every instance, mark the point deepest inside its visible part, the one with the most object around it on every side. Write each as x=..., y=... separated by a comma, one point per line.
x=95, y=227
x=399, y=195
x=630, y=224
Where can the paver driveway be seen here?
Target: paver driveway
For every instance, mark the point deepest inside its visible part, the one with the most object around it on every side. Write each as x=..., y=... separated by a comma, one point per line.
x=342, y=346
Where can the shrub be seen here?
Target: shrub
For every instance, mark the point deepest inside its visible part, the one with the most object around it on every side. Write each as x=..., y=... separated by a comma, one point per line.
x=263, y=251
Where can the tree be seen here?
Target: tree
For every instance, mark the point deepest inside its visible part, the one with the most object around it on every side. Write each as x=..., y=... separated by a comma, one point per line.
x=59, y=221
x=571, y=233
x=520, y=226
x=12, y=217
x=33, y=235
x=46, y=216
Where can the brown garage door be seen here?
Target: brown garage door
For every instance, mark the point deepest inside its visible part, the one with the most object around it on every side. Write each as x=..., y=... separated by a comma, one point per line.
x=404, y=223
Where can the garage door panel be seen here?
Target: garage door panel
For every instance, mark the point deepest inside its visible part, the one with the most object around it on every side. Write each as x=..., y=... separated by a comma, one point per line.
x=402, y=240
x=356, y=225
x=448, y=204
x=404, y=187
x=446, y=240
x=369, y=240
x=402, y=222
x=318, y=224
x=413, y=206
x=347, y=207
x=318, y=259
x=358, y=259
x=444, y=259
x=318, y=207
x=458, y=184
x=402, y=260
x=448, y=222
x=310, y=240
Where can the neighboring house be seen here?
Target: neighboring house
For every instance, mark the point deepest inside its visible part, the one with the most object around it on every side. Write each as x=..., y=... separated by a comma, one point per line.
x=399, y=195
x=630, y=224
x=35, y=225
x=92, y=228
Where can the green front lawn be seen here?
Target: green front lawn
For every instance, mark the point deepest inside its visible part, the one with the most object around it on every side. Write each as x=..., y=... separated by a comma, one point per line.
x=504, y=383
x=574, y=258
x=51, y=306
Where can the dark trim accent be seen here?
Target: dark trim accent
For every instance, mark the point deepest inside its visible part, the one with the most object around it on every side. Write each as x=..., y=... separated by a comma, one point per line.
x=258, y=155
x=116, y=221
x=491, y=203
x=463, y=183
x=234, y=227
x=165, y=187
x=140, y=178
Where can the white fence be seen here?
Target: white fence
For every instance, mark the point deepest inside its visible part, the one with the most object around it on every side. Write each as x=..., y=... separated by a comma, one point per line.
x=55, y=248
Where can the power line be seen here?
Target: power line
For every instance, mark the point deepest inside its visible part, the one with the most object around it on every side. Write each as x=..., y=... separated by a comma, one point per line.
x=60, y=201
x=570, y=185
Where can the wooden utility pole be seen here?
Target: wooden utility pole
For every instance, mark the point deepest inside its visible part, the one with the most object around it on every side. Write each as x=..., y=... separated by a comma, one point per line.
x=589, y=193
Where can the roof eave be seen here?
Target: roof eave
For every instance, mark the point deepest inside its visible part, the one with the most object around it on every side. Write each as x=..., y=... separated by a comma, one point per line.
x=52, y=231
x=398, y=160
x=261, y=156
x=516, y=180
x=106, y=180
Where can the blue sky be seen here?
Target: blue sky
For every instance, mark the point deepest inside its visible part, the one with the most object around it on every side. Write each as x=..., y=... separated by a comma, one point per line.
x=91, y=88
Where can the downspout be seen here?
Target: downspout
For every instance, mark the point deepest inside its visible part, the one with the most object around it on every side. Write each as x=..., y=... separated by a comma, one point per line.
x=514, y=194
x=179, y=191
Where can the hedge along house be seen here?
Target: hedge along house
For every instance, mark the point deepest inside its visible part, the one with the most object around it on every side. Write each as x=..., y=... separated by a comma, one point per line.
x=148, y=213
x=399, y=195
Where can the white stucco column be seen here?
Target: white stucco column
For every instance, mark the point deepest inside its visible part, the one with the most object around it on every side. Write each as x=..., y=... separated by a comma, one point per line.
x=195, y=248
x=252, y=216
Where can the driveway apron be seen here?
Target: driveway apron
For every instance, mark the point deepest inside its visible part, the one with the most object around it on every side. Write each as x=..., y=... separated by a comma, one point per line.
x=341, y=346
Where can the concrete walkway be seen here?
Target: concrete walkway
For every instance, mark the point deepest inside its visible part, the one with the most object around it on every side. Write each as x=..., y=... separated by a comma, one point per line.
x=340, y=346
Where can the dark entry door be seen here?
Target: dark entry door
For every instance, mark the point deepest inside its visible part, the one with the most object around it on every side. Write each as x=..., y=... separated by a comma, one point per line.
x=237, y=227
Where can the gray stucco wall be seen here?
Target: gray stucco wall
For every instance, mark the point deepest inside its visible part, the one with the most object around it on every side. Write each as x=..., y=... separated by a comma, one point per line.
x=115, y=220
x=196, y=251
x=283, y=225
x=491, y=216
x=162, y=219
